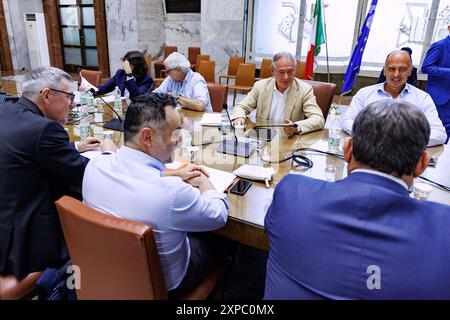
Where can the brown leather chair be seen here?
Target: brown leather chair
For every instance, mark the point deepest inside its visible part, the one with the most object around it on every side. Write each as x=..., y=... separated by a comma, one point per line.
x=265, y=71
x=148, y=60
x=233, y=64
x=13, y=289
x=300, y=71
x=208, y=70
x=159, y=65
x=218, y=94
x=245, y=79
x=193, y=52
x=324, y=93
x=94, y=77
x=118, y=258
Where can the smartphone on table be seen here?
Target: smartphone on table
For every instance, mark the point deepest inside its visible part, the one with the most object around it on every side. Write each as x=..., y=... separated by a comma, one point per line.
x=241, y=187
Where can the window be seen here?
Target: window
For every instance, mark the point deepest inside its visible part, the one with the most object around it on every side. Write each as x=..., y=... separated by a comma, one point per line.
x=78, y=34
x=285, y=26
x=182, y=6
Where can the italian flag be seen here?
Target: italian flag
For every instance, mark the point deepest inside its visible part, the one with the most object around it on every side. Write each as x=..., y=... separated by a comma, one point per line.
x=317, y=38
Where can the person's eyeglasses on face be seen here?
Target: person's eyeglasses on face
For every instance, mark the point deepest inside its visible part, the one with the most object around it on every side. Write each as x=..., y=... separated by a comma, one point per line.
x=71, y=95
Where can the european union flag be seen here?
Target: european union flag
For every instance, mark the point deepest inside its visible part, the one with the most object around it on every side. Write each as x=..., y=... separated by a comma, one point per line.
x=355, y=61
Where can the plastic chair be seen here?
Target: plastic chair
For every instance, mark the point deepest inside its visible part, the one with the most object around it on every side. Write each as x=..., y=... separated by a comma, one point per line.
x=245, y=78
x=208, y=70
x=118, y=257
x=265, y=71
x=218, y=94
x=233, y=64
x=193, y=52
x=159, y=65
x=201, y=57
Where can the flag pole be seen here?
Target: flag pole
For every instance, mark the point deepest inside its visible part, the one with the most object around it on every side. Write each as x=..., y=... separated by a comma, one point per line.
x=326, y=39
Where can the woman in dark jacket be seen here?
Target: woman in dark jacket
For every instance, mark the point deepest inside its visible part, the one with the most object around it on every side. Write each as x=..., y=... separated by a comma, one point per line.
x=133, y=77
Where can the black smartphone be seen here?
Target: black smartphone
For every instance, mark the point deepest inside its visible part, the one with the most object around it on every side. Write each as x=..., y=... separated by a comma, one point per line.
x=241, y=187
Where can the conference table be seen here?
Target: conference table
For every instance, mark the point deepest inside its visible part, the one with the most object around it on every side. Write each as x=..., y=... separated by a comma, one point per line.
x=246, y=213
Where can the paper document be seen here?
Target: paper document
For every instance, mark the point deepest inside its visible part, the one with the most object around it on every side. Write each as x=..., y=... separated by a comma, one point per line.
x=86, y=85
x=211, y=119
x=221, y=180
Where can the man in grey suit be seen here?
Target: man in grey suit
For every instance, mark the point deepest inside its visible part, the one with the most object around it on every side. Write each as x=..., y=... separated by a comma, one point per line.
x=282, y=99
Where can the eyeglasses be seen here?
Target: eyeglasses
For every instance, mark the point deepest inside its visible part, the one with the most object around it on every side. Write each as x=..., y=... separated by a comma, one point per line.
x=70, y=94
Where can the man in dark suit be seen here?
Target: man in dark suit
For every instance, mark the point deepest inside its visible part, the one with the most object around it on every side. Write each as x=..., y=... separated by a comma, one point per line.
x=362, y=237
x=37, y=161
x=437, y=65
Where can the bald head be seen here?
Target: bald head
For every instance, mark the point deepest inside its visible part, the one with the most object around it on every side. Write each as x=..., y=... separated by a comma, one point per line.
x=398, y=54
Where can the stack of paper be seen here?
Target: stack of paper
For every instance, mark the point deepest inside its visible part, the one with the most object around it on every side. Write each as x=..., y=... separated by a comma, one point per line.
x=221, y=180
x=211, y=119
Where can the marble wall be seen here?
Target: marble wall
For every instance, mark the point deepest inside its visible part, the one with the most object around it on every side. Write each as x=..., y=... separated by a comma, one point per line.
x=183, y=30
x=14, y=13
x=222, y=31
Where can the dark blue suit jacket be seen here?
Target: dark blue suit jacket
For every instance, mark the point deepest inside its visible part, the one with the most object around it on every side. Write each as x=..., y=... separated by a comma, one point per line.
x=36, y=164
x=324, y=236
x=135, y=87
x=437, y=65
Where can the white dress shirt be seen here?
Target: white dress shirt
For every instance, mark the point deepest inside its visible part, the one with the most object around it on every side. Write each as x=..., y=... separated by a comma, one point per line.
x=193, y=87
x=278, y=104
x=384, y=175
x=410, y=94
x=129, y=185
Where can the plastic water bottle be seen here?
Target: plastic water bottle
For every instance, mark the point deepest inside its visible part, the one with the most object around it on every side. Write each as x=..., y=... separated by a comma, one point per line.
x=334, y=133
x=84, y=123
x=225, y=124
x=186, y=142
x=90, y=106
x=83, y=98
x=118, y=101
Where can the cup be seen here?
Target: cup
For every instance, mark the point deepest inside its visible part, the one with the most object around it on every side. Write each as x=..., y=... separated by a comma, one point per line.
x=239, y=130
x=422, y=191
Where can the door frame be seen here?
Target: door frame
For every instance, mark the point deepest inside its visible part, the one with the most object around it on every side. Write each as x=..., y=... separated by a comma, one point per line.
x=55, y=39
x=5, y=52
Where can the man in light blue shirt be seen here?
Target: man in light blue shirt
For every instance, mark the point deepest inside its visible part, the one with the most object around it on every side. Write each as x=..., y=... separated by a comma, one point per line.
x=189, y=86
x=132, y=184
x=397, y=68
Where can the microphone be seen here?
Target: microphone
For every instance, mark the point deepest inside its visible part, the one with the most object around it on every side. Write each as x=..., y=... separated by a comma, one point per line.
x=235, y=147
x=113, y=124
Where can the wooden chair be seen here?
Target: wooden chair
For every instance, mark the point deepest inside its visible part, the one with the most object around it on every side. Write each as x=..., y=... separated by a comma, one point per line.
x=159, y=65
x=324, y=93
x=300, y=71
x=13, y=289
x=94, y=77
x=193, y=52
x=148, y=60
x=245, y=78
x=201, y=57
x=218, y=94
x=233, y=64
x=208, y=70
x=265, y=71
x=118, y=257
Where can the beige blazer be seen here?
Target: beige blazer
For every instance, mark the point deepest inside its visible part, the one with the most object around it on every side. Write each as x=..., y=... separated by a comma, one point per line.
x=300, y=104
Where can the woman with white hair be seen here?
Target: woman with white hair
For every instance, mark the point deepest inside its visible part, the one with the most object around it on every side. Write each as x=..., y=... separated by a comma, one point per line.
x=188, y=86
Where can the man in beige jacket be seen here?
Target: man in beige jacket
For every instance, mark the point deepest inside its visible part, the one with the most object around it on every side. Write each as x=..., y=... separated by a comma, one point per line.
x=282, y=99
